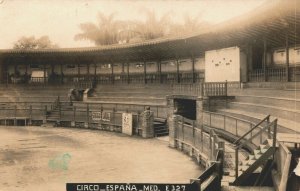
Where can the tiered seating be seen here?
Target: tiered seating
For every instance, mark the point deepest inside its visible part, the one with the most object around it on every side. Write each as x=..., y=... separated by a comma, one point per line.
x=254, y=103
x=25, y=93
x=131, y=94
x=26, y=101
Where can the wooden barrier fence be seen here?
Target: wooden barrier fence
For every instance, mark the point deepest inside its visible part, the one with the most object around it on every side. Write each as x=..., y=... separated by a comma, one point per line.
x=207, y=148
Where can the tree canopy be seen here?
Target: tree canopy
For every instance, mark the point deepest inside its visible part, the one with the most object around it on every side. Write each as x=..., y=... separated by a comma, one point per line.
x=34, y=43
x=105, y=32
x=108, y=30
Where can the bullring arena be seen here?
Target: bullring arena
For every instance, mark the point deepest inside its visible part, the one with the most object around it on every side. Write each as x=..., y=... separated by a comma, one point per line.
x=218, y=109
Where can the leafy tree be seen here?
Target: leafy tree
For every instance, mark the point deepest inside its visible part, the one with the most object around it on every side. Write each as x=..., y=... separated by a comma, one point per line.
x=33, y=43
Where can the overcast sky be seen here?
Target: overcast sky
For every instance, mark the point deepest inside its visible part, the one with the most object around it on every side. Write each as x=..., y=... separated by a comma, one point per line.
x=59, y=19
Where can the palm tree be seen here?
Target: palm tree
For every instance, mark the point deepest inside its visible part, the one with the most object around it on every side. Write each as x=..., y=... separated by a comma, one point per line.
x=190, y=24
x=153, y=27
x=105, y=32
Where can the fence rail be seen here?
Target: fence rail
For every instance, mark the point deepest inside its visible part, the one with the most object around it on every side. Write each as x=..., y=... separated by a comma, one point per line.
x=202, y=89
x=234, y=125
x=270, y=74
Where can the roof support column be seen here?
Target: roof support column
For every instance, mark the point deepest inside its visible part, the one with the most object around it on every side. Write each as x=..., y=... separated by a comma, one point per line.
x=145, y=72
x=122, y=76
x=159, y=71
x=26, y=68
x=61, y=73
x=15, y=68
x=95, y=72
x=128, y=80
x=287, y=57
x=44, y=73
x=177, y=70
x=193, y=69
x=88, y=70
x=52, y=68
x=249, y=61
x=264, y=61
x=112, y=72
x=78, y=70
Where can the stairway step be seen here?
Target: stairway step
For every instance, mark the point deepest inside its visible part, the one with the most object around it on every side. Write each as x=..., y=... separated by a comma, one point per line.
x=251, y=157
x=264, y=146
x=257, y=155
x=256, y=151
x=243, y=168
x=258, y=170
x=161, y=134
x=248, y=162
x=158, y=126
x=161, y=120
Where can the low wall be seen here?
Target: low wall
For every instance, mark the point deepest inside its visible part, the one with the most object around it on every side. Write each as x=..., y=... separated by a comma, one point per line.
x=190, y=138
x=91, y=116
x=283, y=160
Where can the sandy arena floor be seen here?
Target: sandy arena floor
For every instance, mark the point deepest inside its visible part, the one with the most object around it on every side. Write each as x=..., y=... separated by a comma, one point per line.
x=40, y=158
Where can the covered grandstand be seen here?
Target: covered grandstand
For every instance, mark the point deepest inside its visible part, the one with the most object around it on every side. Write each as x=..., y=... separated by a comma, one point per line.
x=228, y=95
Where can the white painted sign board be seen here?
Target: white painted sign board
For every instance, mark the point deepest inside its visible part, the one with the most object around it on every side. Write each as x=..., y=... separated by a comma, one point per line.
x=222, y=64
x=127, y=123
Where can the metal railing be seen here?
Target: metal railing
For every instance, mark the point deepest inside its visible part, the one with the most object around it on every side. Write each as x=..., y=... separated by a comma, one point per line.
x=233, y=125
x=270, y=75
x=243, y=140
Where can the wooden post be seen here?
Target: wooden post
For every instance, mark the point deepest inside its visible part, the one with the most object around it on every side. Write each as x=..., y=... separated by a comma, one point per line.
x=88, y=114
x=210, y=143
x=182, y=127
x=287, y=57
x=193, y=125
x=74, y=116
x=30, y=115
x=113, y=119
x=274, y=134
x=59, y=110
x=269, y=129
x=236, y=129
x=15, y=119
x=45, y=114
x=224, y=122
x=236, y=162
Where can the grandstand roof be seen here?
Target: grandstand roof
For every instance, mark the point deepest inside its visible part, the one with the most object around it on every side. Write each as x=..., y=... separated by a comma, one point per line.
x=273, y=21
